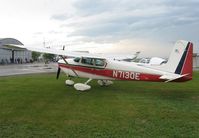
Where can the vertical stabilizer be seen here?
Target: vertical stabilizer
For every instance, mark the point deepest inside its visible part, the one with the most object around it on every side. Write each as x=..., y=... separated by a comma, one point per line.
x=180, y=60
x=185, y=65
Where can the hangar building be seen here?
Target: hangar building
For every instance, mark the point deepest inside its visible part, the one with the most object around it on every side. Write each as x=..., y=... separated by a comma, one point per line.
x=8, y=55
x=195, y=60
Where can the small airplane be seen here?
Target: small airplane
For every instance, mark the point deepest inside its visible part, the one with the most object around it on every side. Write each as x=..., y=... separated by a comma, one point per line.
x=178, y=68
x=153, y=61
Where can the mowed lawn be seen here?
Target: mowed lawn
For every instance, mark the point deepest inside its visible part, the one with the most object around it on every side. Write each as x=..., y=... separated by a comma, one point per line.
x=41, y=106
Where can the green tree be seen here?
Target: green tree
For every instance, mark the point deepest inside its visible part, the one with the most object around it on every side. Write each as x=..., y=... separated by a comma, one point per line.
x=48, y=57
x=35, y=55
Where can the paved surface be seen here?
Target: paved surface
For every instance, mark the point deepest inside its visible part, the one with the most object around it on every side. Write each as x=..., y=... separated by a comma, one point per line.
x=7, y=70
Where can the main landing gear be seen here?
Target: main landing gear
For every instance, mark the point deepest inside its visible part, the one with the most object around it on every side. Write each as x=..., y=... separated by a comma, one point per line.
x=85, y=86
x=104, y=82
x=79, y=86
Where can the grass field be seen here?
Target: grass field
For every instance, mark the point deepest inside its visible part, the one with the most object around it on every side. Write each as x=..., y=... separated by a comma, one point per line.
x=41, y=106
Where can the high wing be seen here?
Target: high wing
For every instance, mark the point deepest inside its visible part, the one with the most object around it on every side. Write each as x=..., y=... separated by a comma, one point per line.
x=52, y=51
x=121, y=57
x=72, y=53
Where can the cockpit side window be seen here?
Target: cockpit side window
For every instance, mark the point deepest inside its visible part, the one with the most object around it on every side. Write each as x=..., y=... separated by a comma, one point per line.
x=99, y=62
x=93, y=61
x=88, y=61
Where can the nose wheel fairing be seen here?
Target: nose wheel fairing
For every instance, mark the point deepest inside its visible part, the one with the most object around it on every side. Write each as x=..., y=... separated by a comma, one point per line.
x=69, y=82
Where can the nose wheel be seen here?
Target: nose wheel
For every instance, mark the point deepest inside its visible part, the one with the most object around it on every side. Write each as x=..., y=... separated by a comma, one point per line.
x=69, y=82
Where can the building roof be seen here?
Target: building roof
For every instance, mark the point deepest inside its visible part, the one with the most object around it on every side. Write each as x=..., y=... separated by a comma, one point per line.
x=6, y=41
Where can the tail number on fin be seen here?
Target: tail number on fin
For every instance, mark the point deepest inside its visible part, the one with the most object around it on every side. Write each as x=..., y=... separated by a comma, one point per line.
x=126, y=75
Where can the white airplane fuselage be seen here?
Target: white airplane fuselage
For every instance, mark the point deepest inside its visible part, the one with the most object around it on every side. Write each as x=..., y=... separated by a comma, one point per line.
x=178, y=68
x=115, y=70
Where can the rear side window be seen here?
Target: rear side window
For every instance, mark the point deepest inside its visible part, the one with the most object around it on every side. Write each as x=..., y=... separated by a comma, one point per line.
x=99, y=62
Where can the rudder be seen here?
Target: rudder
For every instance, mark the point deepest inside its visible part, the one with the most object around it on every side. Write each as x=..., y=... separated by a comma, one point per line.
x=185, y=65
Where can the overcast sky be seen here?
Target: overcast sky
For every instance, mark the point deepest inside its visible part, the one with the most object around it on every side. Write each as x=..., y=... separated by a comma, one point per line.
x=125, y=26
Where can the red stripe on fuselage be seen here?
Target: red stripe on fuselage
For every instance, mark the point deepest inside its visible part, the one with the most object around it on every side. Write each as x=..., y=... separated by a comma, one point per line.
x=116, y=74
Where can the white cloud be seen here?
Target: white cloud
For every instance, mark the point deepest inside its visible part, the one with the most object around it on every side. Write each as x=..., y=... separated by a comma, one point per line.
x=101, y=23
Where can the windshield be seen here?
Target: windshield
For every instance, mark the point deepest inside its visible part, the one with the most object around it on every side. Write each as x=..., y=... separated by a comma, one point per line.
x=77, y=59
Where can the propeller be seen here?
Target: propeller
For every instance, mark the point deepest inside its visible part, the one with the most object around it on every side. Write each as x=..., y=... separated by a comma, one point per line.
x=58, y=72
x=59, y=69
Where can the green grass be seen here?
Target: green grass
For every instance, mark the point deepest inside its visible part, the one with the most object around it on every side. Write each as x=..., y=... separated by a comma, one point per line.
x=41, y=106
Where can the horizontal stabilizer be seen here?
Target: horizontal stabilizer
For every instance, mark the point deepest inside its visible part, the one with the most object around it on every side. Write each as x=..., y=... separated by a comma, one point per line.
x=173, y=77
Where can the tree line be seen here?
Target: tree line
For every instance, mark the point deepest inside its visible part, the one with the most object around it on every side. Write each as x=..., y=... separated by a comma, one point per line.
x=46, y=57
